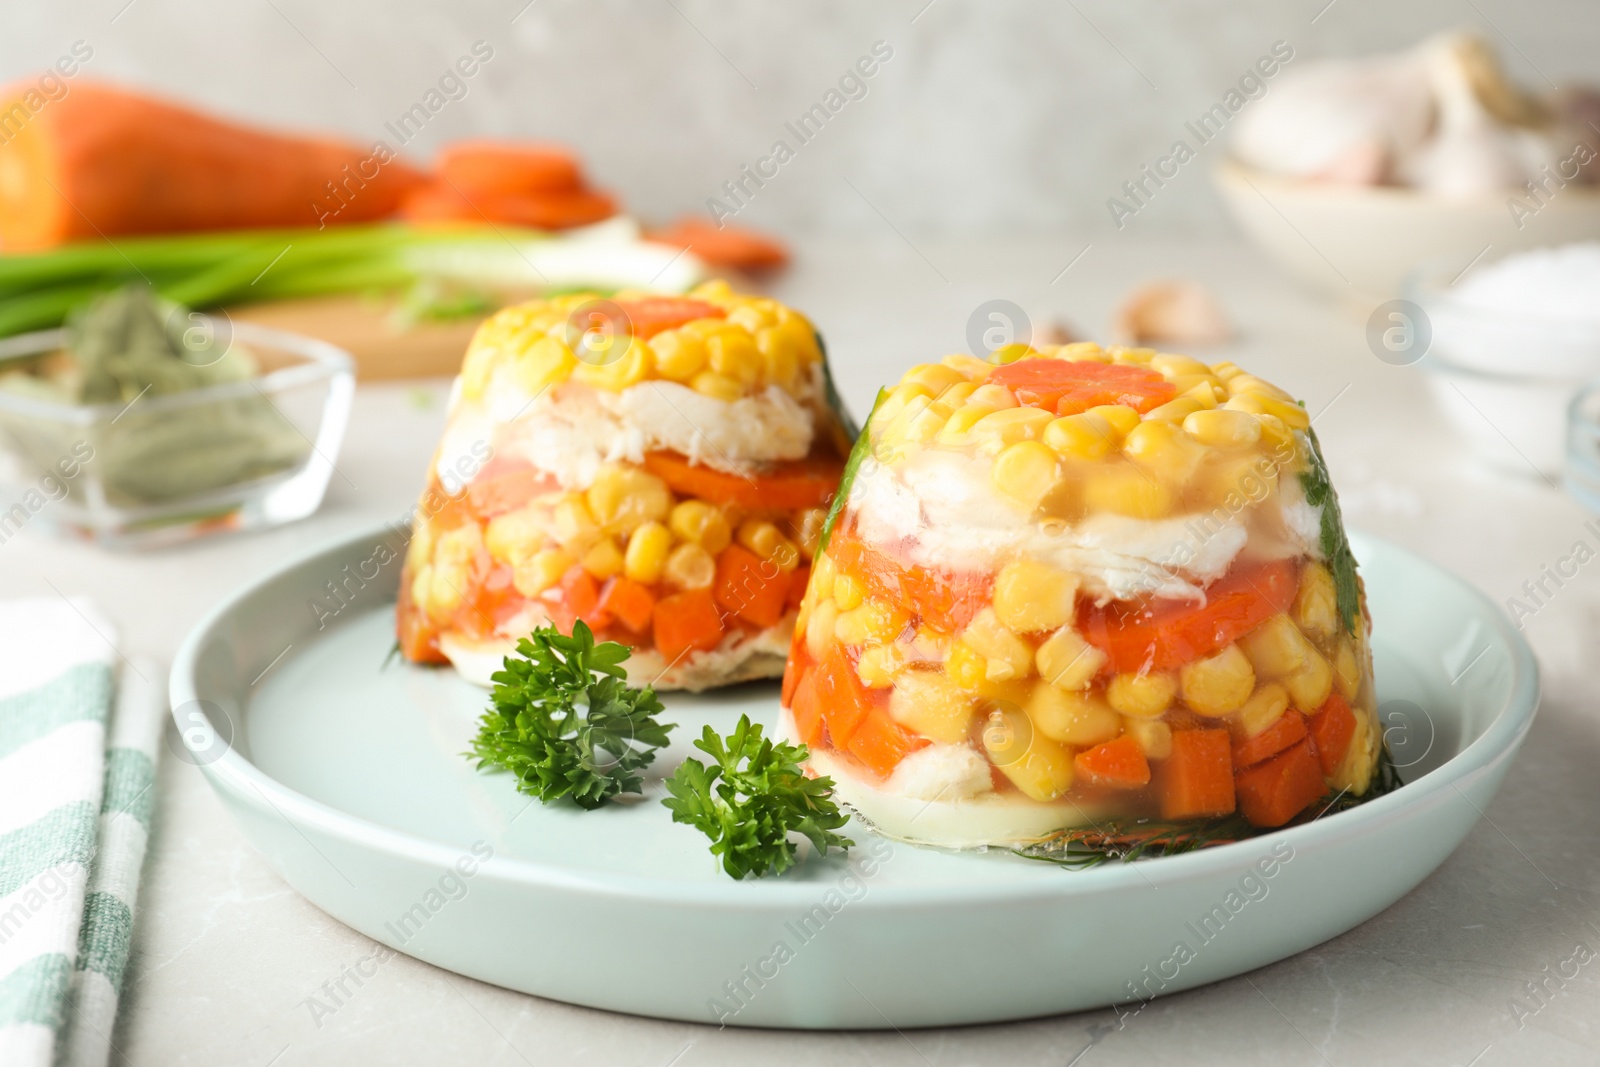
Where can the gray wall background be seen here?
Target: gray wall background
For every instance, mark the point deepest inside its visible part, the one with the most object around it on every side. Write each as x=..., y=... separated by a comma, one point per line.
x=992, y=118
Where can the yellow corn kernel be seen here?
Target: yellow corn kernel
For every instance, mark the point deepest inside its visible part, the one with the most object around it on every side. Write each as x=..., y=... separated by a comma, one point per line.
x=958, y=427
x=929, y=646
x=1137, y=356
x=970, y=367
x=1164, y=450
x=1278, y=420
x=1038, y=766
x=1354, y=772
x=1152, y=735
x=1169, y=365
x=822, y=577
x=1067, y=661
x=1010, y=353
x=1310, y=685
x=750, y=317
x=1071, y=716
x=1121, y=417
x=873, y=623
x=732, y=353
x=422, y=587
x=1226, y=370
x=541, y=570
x=646, y=557
x=717, y=386
x=454, y=559
x=848, y=593
x=1208, y=391
x=575, y=525
x=935, y=377
x=513, y=536
x=1005, y=655
x=819, y=628
x=1346, y=669
x=993, y=395
x=623, y=498
x=878, y=666
x=1276, y=647
x=808, y=530
x=1026, y=472
x=1000, y=428
x=1238, y=481
x=689, y=567
x=1280, y=441
x=956, y=395
x=1219, y=683
x=1249, y=383
x=701, y=524
x=932, y=705
x=780, y=363
x=548, y=361
x=1316, y=604
x=1265, y=707
x=965, y=667
x=612, y=370
x=1126, y=490
x=800, y=334
x=765, y=540
x=604, y=559
x=1142, y=696
x=1031, y=596
x=678, y=355
x=1222, y=428
x=1084, y=436
x=1175, y=410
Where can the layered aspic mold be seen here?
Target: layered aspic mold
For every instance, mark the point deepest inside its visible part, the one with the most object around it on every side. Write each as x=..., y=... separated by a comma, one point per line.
x=658, y=467
x=1084, y=587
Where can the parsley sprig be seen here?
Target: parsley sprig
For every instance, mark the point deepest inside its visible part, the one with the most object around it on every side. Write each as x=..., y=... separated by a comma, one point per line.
x=751, y=798
x=1335, y=546
x=563, y=719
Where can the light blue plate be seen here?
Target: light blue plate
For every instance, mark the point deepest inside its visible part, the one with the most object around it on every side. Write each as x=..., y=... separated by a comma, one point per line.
x=346, y=773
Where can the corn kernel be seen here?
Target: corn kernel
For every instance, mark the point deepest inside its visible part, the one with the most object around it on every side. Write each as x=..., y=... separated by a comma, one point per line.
x=422, y=587
x=1000, y=428
x=604, y=559
x=956, y=395
x=1083, y=352
x=1151, y=735
x=929, y=646
x=819, y=628
x=1038, y=766
x=801, y=336
x=1026, y=472
x=1219, y=683
x=547, y=362
x=1010, y=353
x=1316, y=604
x=1067, y=661
x=1126, y=490
x=993, y=395
x=1164, y=450
x=1238, y=481
x=1175, y=410
x=623, y=498
x=873, y=623
x=1346, y=669
x=1031, y=596
x=848, y=593
x=780, y=363
x=970, y=367
x=822, y=577
x=1265, y=707
x=958, y=428
x=701, y=524
x=689, y=566
x=717, y=386
x=934, y=377
x=1222, y=428
x=1137, y=356
x=678, y=355
x=965, y=667
x=764, y=539
x=1121, y=417
x=1071, y=716
x=808, y=530
x=1169, y=365
x=647, y=552
x=1005, y=654
x=932, y=705
x=1209, y=392
x=877, y=667
x=1084, y=436
x=513, y=536
x=1276, y=647
x=541, y=570
x=1249, y=383
x=1226, y=370
x=732, y=353
x=1310, y=685
x=575, y=525
x=750, y=317
x=612, y=370
x=1142, y=696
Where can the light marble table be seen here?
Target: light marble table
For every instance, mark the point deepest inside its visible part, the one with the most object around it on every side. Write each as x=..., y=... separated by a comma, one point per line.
x=226, y=954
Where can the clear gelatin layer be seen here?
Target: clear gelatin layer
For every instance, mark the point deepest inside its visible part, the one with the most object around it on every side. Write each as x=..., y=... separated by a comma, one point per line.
x=658, y=467
x=1083, y=588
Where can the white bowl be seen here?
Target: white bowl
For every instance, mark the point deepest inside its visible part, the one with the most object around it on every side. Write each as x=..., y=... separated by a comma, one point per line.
x=1362, y=243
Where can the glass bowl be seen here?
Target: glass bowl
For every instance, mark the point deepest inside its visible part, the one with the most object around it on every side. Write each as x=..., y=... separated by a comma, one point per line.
x=159, y=470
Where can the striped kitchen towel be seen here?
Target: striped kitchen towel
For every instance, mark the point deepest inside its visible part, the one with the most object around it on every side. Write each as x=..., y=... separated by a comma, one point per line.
x=74, y=817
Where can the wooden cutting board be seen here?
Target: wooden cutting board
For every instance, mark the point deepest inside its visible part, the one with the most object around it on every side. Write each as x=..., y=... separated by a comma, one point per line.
x=366, y=327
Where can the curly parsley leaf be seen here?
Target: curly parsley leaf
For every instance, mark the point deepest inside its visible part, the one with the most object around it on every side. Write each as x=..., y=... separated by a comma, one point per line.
x=563, y=719
x=751, y=798
x=1335, y=546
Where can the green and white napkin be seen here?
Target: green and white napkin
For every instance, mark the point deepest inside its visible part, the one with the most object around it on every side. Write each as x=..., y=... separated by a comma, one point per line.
x=78, y=732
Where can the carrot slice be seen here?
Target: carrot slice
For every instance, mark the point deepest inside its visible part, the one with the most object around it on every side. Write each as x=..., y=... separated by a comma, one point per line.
x=725, y=246
x=799, y=663
x=1160, y=635
x=580, y=596
x=1070, y=386
x=542, y=211
x=1288, y=730
x=1272, y=793
x=798, y=579
x=752, y=588
x=629, y=601
x=508, y=168
x=1332, y=728
x=1119, y=763
x=806, y=707
x=1197, y=779
x=801, y=483
x=881, y=743
x=845, y=701
x=505, y=485
x=945, y=600
x=653, y=314
x=687, y=621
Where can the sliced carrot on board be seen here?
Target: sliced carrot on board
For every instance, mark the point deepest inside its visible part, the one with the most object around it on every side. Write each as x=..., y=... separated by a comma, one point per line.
x=629, y=601
x=1272, y=793
x=881, y=743
x=687, y=621
x=945, y=600
x=800, y=483
x=1332, y=727
x=1289, y=728
x=508, y=168
x=1197, y=779
x=751, y=588
x=1119, y=763
x=805, y=704
x=1070, y=386
x=505, y=485
x=722, y=246
x=652, y=314
x=1164, y=634
x=845, y=701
